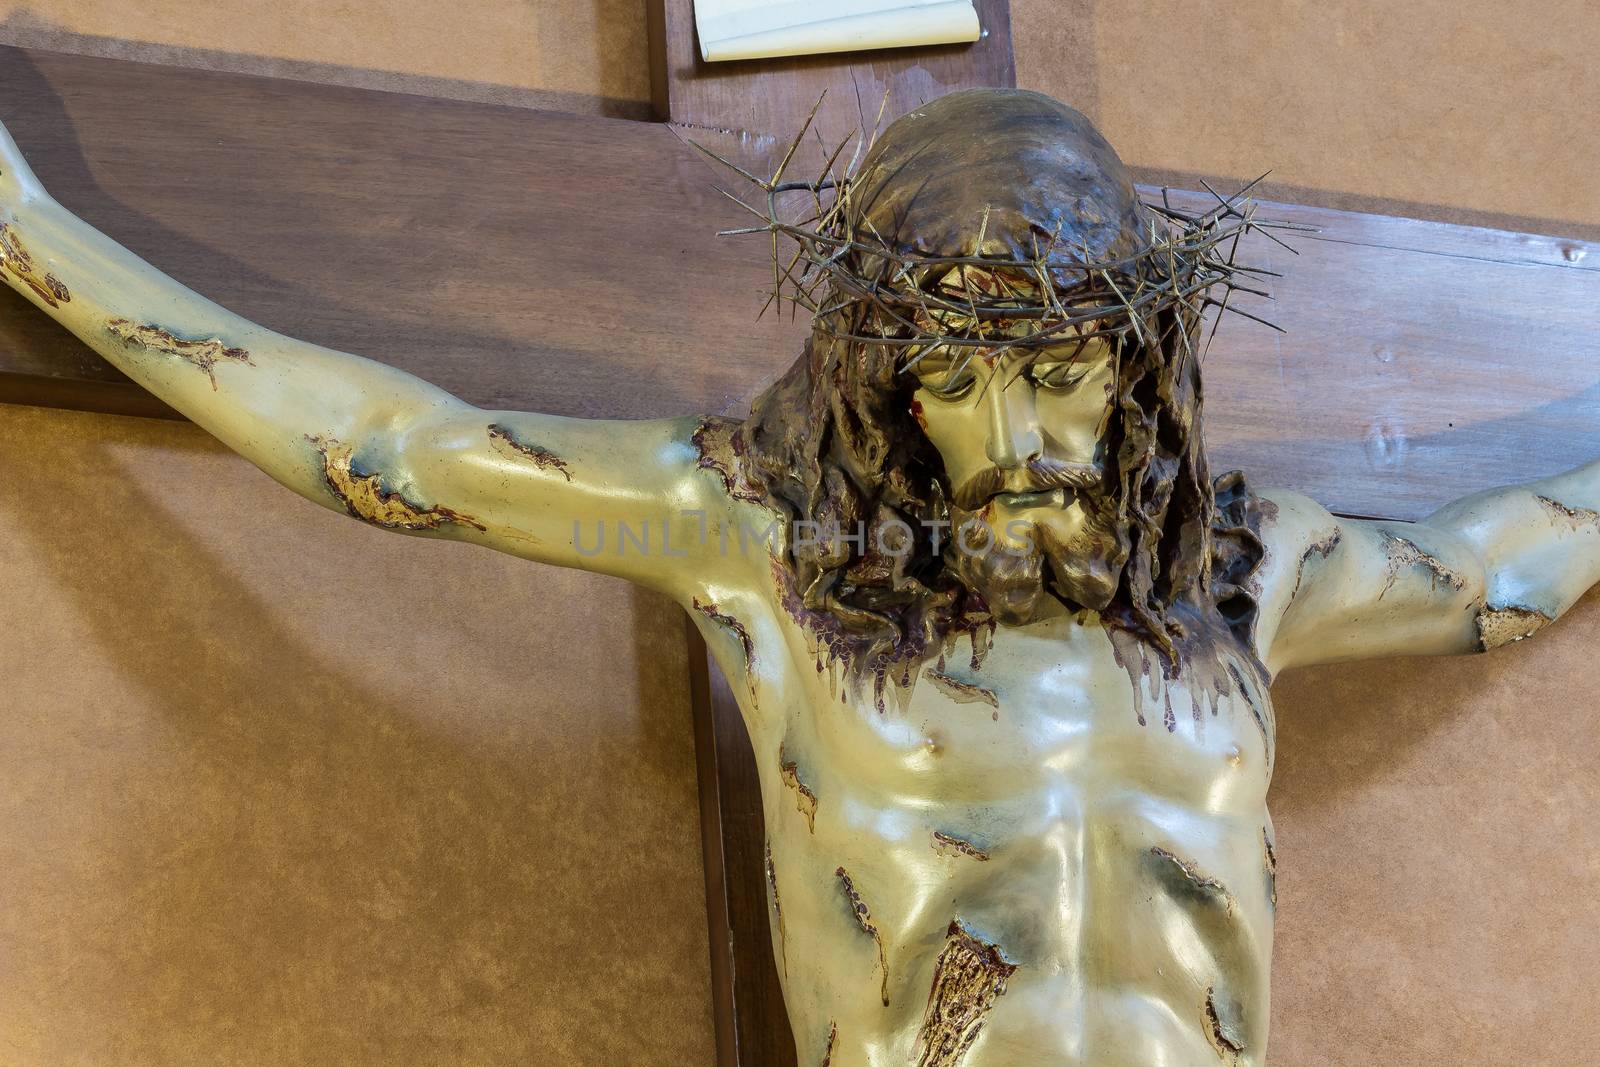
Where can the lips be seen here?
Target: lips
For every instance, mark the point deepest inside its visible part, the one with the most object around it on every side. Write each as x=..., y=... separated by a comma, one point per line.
x=1038, y=498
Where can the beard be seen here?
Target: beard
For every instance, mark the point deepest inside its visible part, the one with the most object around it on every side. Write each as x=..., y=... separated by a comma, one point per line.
x=1016, y=558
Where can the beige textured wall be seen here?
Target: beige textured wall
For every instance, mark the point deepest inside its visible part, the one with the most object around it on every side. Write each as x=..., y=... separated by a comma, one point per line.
x=1464, y=110
x=1437, y=855
x=278, y=788
x=586, y=56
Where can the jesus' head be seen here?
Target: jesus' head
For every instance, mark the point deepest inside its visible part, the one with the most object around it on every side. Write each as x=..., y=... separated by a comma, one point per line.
x=1007, y=351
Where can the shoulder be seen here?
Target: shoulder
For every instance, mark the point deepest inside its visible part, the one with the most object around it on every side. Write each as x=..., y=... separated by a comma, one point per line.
x=1294, y=530
x=1299, y=537
x=1261, y=540
x=720, y=448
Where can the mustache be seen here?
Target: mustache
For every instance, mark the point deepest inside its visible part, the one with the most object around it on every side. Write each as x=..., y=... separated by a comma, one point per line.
x=1041, y=474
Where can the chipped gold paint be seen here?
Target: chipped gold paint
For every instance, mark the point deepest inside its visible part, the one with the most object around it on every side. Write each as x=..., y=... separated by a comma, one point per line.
x=505, y=441
x=14, y=258
x=777, y=912
x=1404, y=554
x=1271, y=855
x=959, y=691
x=364, y=496
x=951, y=845
x=863, y=917
x=805, y=801
x=970, y=975
x=1223, y=1027
x=715, y=440
x=833, y=1039
x=204, y=354
x=1576, y=518
x=1189, y=879
x=1321, y=548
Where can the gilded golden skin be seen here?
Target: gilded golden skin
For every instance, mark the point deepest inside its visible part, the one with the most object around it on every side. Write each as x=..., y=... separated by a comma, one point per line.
x=1030, y=847
x=1000, y=412
x=1022, y=438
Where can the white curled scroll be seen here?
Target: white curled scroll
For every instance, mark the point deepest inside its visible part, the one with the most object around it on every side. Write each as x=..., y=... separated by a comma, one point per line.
x=758, y=29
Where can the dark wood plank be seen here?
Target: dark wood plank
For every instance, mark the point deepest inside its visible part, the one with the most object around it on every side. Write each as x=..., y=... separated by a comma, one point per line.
x=711, y=698
x=517, y=258
x=1420, y=361
x=754, y=993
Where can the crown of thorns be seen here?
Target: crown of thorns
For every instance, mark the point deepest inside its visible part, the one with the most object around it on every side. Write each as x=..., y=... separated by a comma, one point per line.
x=924, y=303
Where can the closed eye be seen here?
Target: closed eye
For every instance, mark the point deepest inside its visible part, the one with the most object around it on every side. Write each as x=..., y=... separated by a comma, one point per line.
x=1062, y=375
x=950, y=386
x=945, y=377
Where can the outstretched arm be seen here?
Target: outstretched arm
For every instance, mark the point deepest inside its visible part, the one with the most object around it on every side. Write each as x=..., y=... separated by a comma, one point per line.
x=358, y=436
x=1484, y=571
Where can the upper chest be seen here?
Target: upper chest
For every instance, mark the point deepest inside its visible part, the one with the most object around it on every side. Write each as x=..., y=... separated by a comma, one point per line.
x=1063, y=708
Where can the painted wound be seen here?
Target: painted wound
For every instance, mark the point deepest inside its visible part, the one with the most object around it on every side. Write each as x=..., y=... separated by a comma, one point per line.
x=804, y=799
x=364, y=496
x=505, y=440
x=14, y=257
x=863, y=917
x=970, y=975
x=204, y=354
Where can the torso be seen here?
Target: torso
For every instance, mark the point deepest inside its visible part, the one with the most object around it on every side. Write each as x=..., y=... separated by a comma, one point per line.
x=1008, y=857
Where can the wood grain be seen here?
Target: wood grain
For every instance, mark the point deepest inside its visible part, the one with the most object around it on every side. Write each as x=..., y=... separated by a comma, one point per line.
x=518, y=258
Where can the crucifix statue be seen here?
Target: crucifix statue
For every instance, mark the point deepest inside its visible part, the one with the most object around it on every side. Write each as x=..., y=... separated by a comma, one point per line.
x=1002, y=643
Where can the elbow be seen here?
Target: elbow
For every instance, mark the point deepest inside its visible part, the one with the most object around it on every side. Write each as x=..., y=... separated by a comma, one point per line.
x=1504, y=604
x=378, y=486
x=1513, y=608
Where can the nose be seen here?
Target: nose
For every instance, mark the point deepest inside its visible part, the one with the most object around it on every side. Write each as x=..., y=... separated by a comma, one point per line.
x=1014, y=436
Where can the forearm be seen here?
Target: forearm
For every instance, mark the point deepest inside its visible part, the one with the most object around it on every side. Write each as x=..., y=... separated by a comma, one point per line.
x=261, y=393
x=1540, y=545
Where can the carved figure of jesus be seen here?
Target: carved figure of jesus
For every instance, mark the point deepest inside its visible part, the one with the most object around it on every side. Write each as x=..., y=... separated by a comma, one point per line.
x=1002, y=644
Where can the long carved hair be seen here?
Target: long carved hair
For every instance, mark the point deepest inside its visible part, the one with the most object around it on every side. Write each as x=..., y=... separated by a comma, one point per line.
x=834, y=442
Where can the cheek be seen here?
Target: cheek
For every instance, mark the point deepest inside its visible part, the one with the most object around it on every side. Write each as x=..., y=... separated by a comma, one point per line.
x=955, y=432
x=946, y=424
x=1077, y=420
